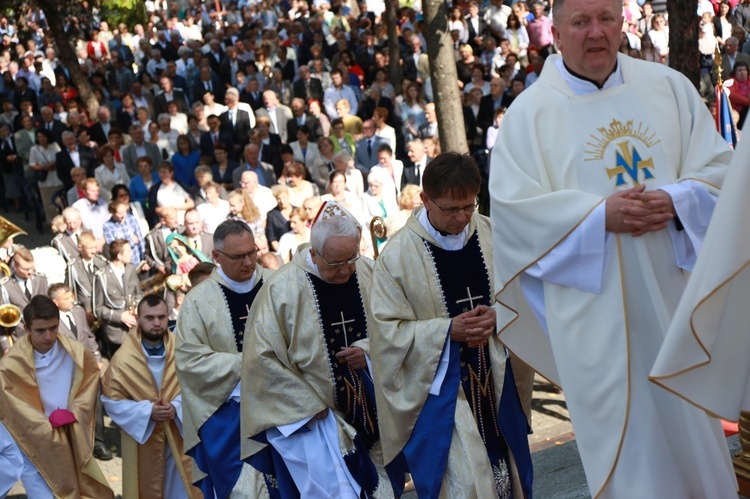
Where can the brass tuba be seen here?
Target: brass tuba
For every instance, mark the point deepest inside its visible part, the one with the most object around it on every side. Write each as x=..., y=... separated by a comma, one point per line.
x=8, y=229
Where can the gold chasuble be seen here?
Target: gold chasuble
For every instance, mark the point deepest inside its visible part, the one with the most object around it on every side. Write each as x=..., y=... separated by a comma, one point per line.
x=209, y=364
x=64, y=455
x=409, y=331
x=128, y=377
x=289, y=368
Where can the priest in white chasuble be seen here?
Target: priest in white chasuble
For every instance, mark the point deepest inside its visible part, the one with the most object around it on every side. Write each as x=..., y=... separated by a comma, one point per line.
x=142, y=396
x=304, y=370
x=603, y=181
x=48, y=389
x=208, y=359
x=454, y=409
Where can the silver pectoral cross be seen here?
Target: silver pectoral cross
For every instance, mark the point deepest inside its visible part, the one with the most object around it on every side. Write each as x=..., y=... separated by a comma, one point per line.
x=343, y=324
x=470, y=299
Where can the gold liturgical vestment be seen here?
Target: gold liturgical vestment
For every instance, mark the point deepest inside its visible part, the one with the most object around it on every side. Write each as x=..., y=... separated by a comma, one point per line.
x=128, y=377
x=63, y=456
x=409, y=331
x=286, y=371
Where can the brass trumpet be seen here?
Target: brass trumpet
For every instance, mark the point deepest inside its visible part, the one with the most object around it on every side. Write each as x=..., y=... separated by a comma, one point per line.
x=10, y=317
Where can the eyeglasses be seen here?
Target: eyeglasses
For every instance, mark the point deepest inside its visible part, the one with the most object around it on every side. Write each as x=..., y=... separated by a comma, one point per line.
x=468, y=209
x=241, y=258
x=340, y=264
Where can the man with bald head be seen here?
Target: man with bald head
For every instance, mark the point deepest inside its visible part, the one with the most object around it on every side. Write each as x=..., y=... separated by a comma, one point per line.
x=261, y=195
x=603, y=210
x=252, y=162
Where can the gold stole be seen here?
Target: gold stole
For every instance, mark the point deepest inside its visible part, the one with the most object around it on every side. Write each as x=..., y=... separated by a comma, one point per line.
x=62, y=455
x=129, y=378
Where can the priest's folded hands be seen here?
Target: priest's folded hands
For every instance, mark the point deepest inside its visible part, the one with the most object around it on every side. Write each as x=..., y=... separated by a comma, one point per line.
x=474, y=326
x=354, y=356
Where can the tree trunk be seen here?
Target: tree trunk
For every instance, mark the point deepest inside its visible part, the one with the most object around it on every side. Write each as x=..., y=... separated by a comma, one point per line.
x=68, y=57
x=444, y=76
x=394, y=52
x=683, y=34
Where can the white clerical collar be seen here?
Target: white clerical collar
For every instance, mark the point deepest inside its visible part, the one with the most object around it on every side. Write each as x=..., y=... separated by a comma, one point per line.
x=237, y=286
x=309, y=260
x=581, y=87
x=45, y=359
x=450, y=242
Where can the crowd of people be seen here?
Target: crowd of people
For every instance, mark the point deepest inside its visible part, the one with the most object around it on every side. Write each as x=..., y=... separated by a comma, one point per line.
x=225, y=188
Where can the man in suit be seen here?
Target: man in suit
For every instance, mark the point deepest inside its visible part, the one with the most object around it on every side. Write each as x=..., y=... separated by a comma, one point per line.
x=73, y=324
x=215, y=55
x=157, y=254
x=197, y=238
x=66, y=243
x=490, y=103
x=208, y=82
x=99, y=131
x=477, y=28
x=236, y=121
x=251, y=95
x=229, y=66
x=169, y=94
x=266, y=176
x=301, y=117
x=278, y=113
x=138, y=148
x=418, y=161
x=214, y=136
x=430, y=128
x=365, y=55
x=366, y=155
x=22, y=285
x=73, y=155
x=53, y=126
x=730, y=57
x=117, y=292
x=417, y=64
x=306, y=87
x=81, y=272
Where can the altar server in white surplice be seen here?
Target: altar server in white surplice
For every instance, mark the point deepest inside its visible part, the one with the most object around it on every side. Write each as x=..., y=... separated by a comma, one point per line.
x=599, y=213
x=305, y=371
x=208, y=359
x=48, y=389
x=452, y=410
x=141, y=394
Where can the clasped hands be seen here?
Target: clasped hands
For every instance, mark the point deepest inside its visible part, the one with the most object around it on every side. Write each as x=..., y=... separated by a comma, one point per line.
x=474, y=326
x=162, y=411
x=637, y=211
